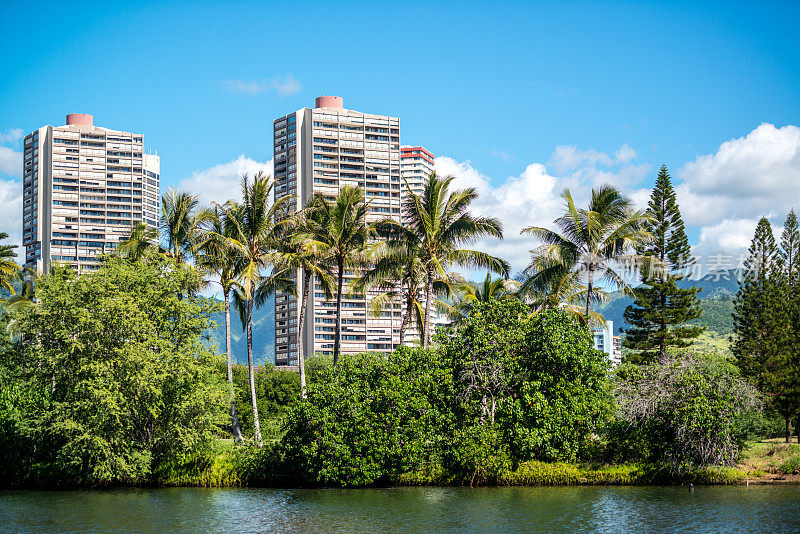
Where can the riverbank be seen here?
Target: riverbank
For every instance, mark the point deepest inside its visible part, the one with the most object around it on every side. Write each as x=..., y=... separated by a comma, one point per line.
x=230, y=466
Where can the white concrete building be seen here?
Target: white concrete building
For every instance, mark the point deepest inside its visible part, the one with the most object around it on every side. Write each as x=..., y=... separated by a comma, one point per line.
x=321, y=150
x=606, y=341
x=416, y=165
x=84, y=187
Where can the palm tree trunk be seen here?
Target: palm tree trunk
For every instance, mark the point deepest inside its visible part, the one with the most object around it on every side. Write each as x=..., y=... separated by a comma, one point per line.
x=301, y=359
x=256, y=423
x=235, y=428
x=589, y=295
x=426, y=328
x=338, y=334
x=406, y=316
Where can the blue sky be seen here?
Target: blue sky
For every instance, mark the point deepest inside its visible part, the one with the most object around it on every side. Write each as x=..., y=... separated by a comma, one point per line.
x=519, y=99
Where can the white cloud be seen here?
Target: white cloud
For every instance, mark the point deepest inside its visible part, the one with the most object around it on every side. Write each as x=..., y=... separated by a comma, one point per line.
x=10, y=136
x=721, y=195
x=222, y=182
x=282, y=85
x=534, y=197
x=286, y=86
x=11, y=212
x=729, y=237
x=10, y=161
x=747, y=177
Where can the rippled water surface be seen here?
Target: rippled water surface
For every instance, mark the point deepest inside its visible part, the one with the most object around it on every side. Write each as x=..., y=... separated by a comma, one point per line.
x=576, y=509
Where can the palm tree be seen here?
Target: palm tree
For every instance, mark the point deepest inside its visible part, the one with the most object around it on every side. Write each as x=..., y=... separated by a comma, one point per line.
x=590, y=241
x=142, y=241
x=472, y=293
x=180, y=225
x=8, y=267
x=214, y=257
x=255, y=234
x=399, y=272
x=296, y=257
x=338, y=235
x=559, y=288
x=19, y=301
x=438, y=223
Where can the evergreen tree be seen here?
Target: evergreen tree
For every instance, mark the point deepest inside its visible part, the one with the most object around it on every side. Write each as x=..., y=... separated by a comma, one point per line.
x=763, y=334
x=789, y=264
x=661, y=309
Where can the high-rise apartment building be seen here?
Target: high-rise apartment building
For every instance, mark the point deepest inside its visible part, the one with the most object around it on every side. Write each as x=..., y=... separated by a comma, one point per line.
x=606, y=341
x=321, y=150
x=84, y=188
x=416, y=164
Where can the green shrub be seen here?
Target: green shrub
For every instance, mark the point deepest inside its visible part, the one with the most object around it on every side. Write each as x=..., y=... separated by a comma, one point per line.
x=367, y=419
x=114, y=376
x=539, y=379
x=477, y=455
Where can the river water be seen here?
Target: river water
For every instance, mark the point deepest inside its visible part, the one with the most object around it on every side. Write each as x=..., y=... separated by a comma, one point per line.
x=407, y=510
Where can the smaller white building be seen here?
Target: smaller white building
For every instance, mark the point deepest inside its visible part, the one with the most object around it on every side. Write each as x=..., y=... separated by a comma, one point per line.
x=606, y=341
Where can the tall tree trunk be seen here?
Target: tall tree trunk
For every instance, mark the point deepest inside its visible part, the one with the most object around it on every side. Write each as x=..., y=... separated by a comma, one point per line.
x=406, y=316
x=589, y=295
x=235, y=428
x=426, y=326
x=789, y=428
x=256, y=422
x=338, y=334
x=301, y=358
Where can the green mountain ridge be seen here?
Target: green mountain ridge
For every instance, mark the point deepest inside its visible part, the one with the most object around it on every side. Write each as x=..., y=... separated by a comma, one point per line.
x=716, y=300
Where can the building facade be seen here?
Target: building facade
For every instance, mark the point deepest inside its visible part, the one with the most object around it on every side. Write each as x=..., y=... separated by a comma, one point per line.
x=84, y=188
x=321, y=150
x=606, y=341
x=416, y=165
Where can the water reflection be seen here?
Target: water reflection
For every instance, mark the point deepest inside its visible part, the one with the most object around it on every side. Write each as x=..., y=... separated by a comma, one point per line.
x=406, y=510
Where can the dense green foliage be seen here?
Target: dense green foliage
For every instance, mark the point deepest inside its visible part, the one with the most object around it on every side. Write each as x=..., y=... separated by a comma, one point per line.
x=367, y=418
x=500, y=389
x=110, y=378
x=661, y=309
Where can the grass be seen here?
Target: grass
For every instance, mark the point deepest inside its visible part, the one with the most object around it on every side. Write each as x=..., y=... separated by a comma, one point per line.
x=771, y=456
x=566, y=474
x=227, y=465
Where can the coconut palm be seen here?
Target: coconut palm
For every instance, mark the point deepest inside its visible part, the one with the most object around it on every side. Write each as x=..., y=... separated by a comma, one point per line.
x=215, y=258
x=399, y=273
x=294, y=256
x=8, y=267
x=255, y=233
x=339, y=235
x=18, y=301
x=438, y=223
x=590, y=241
x=179, y=224
x=560, y=288
x=471, y=293
x=142, y=241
